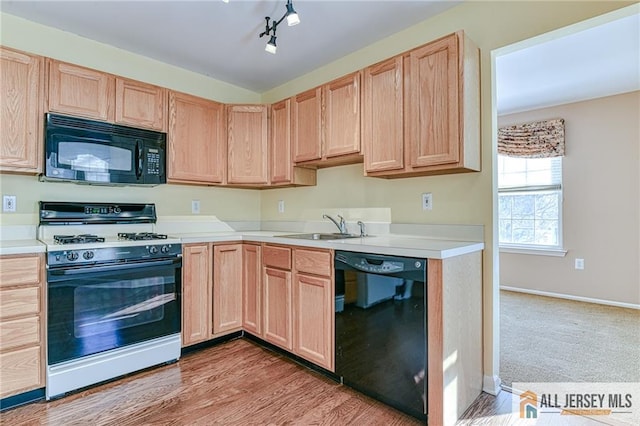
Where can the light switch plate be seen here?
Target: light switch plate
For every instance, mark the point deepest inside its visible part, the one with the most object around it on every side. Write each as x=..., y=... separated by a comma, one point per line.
x=9, y=203
x=280, y=206
x=195, y=206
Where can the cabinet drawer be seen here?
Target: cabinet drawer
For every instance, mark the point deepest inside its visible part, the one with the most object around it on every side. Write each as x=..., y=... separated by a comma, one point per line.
x=20, y=332
x=277, y=257
x=17, y=270
x=19, y=301
x=20, y=371
x=313, y=262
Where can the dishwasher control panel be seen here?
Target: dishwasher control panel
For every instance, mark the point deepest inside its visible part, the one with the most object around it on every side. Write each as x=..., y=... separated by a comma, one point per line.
x=378, y=264
x=386, y=267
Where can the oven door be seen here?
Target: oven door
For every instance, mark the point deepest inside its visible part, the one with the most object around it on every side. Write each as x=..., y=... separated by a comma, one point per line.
x=93, y=309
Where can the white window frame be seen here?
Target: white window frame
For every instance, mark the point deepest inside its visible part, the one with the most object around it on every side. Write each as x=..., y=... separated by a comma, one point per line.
x=537, y=249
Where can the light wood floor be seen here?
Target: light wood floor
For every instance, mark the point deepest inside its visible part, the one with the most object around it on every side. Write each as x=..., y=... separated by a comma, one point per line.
x=235, y=383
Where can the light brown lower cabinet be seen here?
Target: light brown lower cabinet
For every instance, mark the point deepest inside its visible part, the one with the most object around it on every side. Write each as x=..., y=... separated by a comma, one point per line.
x=313, y=319
x=282, y=294
x=227, y=288
x=196, y=293
x=22, y=351
x=314, y=306
x=252, y=288
x=277, y=307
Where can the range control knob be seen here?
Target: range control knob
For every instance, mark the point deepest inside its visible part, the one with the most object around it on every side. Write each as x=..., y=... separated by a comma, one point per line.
x=164, y=249
x=72, y=255
x=153, y=249
x=88, y=255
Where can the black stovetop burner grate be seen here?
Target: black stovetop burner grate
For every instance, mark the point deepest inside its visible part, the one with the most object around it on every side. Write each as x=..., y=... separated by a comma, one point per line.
x=135, y=236
x=77, y=239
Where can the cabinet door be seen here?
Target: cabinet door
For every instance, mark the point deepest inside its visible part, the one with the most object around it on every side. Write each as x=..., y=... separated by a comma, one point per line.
x=141, y=105
x=342, y=116
x=313, y=319
x=277, y=307
x=247, y=144
x=433, y=117
x=81, y=91
x=307, y=125
x=382, y=122
x=281, y=163
x=196, y=140
x=227, y=288
x=196, y=293
x=252, y=289
x=21, y=371
x=21, y=118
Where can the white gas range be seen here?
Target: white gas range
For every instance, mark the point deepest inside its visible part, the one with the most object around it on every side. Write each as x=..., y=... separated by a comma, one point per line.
x=113, y=292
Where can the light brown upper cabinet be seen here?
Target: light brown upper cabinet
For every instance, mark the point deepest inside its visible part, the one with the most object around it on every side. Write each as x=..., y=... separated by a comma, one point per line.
x=441, y=111
x=81, y=91
x=21, y=112
x=341, y=100
x=282, y=171
x=247, y=145
x=382, y=112
x=326, y=124
x=307, y=126
x=89, y=93
x=141, y=105
x=196, y=140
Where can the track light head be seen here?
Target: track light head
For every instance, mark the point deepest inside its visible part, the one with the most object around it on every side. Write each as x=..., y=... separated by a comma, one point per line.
x=271, y=45
x=292, y=15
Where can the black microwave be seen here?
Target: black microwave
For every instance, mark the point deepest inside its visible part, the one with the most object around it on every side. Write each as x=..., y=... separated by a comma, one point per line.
x=94, y=152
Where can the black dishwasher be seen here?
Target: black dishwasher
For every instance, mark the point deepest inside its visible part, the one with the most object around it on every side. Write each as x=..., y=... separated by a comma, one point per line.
x=381, y=345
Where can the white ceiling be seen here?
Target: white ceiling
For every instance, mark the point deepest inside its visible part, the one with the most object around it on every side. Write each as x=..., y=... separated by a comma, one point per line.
x=596, y=62
x=221, y=40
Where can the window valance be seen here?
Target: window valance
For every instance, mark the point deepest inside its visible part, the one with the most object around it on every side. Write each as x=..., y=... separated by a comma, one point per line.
x=538, y=139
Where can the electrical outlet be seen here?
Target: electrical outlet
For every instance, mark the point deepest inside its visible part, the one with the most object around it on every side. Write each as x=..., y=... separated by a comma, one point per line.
x=9, y=203
x=195, y=206
x=579, y=263
x=280, y=206
x=427, y=201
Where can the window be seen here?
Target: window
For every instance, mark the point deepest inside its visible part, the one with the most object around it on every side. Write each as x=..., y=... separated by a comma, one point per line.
x=530, y=202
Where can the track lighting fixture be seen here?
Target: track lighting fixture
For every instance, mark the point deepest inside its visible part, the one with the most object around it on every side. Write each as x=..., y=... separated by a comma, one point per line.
x=272, y=24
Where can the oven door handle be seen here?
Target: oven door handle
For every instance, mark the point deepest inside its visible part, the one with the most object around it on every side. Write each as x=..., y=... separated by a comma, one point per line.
x=78, y=270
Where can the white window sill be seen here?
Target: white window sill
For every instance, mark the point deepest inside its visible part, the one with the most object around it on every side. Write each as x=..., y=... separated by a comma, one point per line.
x=534, y=251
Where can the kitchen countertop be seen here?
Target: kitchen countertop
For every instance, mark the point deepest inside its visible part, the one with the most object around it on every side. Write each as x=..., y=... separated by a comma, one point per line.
x=21, y=247
x=390, y=244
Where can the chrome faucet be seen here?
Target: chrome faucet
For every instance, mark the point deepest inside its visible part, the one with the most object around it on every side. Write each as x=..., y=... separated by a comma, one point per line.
x=342, y=226
x=363, y=232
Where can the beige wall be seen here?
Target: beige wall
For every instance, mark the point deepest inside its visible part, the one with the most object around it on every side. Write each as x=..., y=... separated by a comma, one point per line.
x=457, y=199
x=601, y=214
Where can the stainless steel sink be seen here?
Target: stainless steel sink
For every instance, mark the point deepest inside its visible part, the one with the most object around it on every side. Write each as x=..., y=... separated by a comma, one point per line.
x=321, y=236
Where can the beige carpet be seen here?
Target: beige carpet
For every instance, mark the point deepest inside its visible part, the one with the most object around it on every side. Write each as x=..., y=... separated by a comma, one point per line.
x=544, y=339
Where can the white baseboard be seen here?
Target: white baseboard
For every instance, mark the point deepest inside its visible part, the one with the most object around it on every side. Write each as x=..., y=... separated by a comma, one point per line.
x=570, y=297
x=491, y=385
